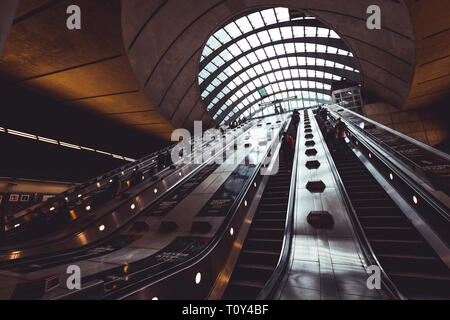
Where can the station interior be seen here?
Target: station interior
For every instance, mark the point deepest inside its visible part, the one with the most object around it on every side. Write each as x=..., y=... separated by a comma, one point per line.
x=224, y=150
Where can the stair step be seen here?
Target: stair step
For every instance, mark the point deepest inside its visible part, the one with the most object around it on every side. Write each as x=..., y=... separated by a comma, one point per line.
x=256, y=267
x=254, y=284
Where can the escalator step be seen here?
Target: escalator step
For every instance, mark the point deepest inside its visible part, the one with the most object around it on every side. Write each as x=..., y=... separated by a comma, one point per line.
x=368, y=194
x=400, y=246
x=376, y=210
x=253, y=284
x=280, y=200
x=384, y=232
x=266, y=244
x=263, y=211
x=268, y=215
x=376, y=202
x=424, y=276
x=269, y=223
x=408, y=260
x=367, y=188
x=412, y=263
x=379, y=221
x=256, y=267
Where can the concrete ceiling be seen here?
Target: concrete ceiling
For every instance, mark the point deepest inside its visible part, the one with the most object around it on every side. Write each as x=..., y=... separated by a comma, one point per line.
x=164, y=40
x=84, y=69
x=136, y=61
x=431, y=82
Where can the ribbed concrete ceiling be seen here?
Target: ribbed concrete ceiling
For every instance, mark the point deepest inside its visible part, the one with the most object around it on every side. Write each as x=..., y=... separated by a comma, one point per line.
x=431, y=82
x=165, y=40
x=84, y=69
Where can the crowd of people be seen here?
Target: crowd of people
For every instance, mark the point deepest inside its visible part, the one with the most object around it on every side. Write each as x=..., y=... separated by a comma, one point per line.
x=334, y=134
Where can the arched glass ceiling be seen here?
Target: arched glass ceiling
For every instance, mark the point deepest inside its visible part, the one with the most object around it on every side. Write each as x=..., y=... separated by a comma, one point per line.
x=268, y=55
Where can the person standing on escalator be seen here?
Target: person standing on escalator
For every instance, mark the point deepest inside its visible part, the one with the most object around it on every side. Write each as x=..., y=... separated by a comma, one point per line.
x=330, y=136
x=296, y=118
x=287, y=146
x=340, y=135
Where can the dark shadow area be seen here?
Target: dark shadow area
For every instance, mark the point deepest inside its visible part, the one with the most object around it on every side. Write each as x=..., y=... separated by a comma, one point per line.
x=26, y=158
x=31, y=113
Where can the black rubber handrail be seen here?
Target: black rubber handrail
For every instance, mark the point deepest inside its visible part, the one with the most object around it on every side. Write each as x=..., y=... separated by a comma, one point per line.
x=129, y=169
x=74, y=251
x=440, y=208
x=410, y=163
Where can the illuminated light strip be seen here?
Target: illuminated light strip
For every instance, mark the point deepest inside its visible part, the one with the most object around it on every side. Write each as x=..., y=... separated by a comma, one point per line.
x=103, y=152
x=52, y=141
x=62, y=144
x=118, y=157
x=87, y=149
x=68, y=145
x=22, y=134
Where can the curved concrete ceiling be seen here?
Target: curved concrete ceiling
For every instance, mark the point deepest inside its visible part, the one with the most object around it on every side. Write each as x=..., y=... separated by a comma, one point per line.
x=85, y=69
x=431, y=82
x=165, y=38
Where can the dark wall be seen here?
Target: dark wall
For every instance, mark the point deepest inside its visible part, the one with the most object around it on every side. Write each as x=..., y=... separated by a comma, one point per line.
x=26, y=111
x=26, y=158
x=31, y=113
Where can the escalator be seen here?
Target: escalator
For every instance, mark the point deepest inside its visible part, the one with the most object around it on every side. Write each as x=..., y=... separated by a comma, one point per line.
x=406, y=257
x=262, y=248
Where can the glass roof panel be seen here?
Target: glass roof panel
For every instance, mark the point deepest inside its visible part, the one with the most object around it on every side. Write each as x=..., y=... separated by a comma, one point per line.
x=302, y=63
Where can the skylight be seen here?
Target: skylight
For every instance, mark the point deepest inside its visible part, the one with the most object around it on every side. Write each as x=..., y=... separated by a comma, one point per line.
x=267, y=51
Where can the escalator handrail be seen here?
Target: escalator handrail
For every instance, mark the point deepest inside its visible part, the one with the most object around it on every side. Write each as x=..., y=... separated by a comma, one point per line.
x=414, y=166
x=147, y=161
x=400, y=155
x=79, y=188
x=435, y=203
x=159, y=173
x=270, y=287
x=62, y=254
x=220, y=234
x=361, y=237
x=103, y=179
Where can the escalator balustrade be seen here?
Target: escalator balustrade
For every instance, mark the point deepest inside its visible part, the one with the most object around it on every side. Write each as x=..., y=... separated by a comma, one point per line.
x=406, y=257
x=262, y=248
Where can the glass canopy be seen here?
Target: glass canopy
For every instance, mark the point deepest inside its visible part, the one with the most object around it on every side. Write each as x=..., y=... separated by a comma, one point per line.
x=271, y=56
